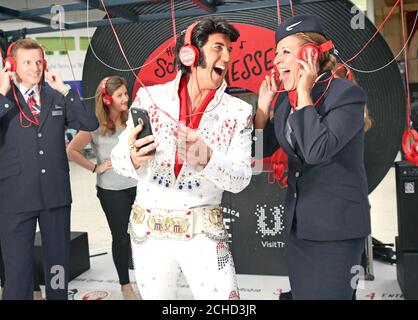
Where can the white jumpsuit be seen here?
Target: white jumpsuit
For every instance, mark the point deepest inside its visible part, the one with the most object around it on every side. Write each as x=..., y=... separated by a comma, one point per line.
x=206, y=263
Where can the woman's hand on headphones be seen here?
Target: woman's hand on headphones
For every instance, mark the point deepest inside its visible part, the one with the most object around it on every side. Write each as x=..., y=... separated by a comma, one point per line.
x=267, y=92
x=54, y=80
x=5, y=80
x=307, y=74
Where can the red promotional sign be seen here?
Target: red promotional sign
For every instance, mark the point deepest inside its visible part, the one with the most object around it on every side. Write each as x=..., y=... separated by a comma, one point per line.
x=252, y=58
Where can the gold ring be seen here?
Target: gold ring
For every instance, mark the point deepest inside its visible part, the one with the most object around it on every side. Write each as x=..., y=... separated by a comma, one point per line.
x=132, y=146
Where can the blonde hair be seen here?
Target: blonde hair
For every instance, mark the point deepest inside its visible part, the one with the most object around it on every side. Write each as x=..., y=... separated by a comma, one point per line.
x=328, y=62
x=107, y=126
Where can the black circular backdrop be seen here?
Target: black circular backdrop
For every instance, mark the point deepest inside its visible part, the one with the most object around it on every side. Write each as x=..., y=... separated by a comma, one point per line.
x=386, y=97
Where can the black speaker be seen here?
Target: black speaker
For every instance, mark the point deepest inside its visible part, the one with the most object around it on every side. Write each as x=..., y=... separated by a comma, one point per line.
x=407, y=202
x=79, y=255
x=407, y=272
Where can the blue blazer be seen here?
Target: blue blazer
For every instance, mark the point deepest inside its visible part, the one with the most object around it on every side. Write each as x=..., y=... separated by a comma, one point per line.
x=327, y=196
x=34, y=171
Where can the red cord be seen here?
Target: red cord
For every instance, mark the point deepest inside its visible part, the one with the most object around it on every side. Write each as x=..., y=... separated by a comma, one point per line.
x=71, y=64
x=357, y=54
x=173, y=21
x=140, y=82
x=408, y=96
x=291, y=8
x=377, y=31
x=410, y=136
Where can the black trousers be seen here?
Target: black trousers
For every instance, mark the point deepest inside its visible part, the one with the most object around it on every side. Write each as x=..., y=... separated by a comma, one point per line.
x=323, y=270
x=17, y=235
x=36, y=286
x=117, y=207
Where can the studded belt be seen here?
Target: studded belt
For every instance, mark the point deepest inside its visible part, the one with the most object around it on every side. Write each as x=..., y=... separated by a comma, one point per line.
x=147, y=223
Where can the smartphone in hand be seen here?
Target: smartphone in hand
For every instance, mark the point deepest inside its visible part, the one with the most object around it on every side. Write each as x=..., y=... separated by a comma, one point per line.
x=140, y=116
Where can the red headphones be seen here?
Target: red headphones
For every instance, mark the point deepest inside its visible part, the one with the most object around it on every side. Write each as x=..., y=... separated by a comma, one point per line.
x=10, y=62
x=107, y=99
x=410, y=145
x=279, y=166
x=189, y=54
x=305, y=50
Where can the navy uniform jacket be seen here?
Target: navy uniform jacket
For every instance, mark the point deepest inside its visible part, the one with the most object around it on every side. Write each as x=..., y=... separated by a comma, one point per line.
x=34, y=171
x=327, y=185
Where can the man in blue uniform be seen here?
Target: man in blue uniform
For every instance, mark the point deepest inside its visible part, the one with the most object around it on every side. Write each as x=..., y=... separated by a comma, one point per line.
x=34, y=171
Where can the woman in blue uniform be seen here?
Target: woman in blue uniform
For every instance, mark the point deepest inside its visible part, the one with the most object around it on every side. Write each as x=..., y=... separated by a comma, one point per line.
x=321, y=126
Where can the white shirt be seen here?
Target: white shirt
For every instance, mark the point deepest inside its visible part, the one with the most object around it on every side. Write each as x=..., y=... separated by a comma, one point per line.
x=26, y=91
x=102, y=146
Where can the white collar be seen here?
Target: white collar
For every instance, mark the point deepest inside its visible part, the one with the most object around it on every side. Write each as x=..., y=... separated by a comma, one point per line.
x=25, y=91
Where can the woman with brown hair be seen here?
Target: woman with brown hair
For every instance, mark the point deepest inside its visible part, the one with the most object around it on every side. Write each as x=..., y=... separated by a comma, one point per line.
x=320, y=125
x=116, y=193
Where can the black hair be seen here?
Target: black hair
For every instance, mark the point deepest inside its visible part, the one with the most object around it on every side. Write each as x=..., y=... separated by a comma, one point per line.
x=201, y=33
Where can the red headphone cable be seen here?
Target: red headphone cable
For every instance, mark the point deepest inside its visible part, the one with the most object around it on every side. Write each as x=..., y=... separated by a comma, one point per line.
x=410, y=136
x=140, y=82
x=291, y=8
x=279, y=15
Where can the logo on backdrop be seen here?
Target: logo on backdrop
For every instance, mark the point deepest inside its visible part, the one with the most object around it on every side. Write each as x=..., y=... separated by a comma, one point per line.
x=252, y=58
x=230, y=216
x=270, y=224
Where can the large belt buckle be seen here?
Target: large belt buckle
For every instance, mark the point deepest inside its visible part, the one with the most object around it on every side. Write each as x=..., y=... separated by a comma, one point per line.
x=167, y=224
x=215, y=218
x=157, y=224
x=138, y=214
x=180, y=227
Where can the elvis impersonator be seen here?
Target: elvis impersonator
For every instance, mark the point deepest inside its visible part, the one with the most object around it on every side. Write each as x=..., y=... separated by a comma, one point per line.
x=202, y=138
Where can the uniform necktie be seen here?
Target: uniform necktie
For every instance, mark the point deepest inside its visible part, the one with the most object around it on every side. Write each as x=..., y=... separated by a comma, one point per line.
x=34, y=107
